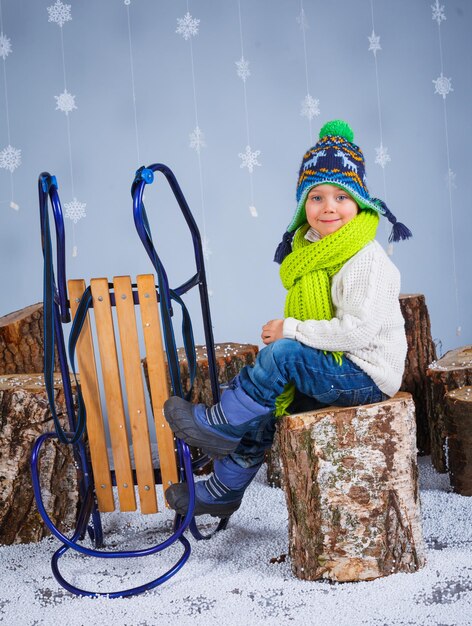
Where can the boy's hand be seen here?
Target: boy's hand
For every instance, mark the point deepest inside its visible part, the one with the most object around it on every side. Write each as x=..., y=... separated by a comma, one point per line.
x=272, y=331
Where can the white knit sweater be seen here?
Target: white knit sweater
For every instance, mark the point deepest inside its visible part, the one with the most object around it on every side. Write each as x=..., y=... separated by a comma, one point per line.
x=368, y=325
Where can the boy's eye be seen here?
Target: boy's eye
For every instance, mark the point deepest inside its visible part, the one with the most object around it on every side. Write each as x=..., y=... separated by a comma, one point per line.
x=316, y=198
x=342, y=196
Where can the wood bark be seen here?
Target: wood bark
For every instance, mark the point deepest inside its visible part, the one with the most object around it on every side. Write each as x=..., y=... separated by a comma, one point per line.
x=459, y=439
x=421, y=352
x=230, y=359
x=21, y=341
x=275, y=476
x=24, y=415
x=452, y=371
x=351, y=485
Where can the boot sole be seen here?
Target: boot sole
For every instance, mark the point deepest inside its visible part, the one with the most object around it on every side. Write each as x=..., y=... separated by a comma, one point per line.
x=177, y=498
x=179, y=414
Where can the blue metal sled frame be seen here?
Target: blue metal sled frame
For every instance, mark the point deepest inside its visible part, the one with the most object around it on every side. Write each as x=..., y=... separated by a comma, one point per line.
x=56, y=313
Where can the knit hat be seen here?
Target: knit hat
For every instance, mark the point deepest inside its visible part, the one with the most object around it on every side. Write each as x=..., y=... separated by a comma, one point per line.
x=336, y=160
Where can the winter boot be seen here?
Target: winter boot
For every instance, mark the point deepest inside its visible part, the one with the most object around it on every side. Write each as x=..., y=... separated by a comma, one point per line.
x=220, y=495
x=216, y=430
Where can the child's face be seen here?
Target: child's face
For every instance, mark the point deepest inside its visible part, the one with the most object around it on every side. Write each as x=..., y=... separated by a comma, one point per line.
x=328, y=208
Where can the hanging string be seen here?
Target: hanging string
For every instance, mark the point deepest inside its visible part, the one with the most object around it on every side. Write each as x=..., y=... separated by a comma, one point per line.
x=133, y=89
x=382, y=156
x=249, y=158
x=188, y=28
x=442, y=87
x=60, y=13
x=10, y=157
x=310, y=106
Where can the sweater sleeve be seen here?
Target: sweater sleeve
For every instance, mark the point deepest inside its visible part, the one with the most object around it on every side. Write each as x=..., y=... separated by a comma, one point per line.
x=363, y=292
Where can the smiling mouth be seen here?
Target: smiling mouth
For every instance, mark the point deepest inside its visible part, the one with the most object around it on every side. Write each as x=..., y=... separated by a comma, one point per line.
x=329, y=221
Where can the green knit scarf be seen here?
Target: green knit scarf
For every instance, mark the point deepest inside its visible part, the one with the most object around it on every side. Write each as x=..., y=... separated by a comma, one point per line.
x=307, y=271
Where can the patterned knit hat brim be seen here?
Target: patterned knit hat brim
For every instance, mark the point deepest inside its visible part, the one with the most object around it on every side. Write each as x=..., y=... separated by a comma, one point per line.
x=364, y=203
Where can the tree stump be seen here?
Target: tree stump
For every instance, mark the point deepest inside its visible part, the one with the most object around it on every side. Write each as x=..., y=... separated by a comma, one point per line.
x=452, y=371
x=351, y=484
x=24, y=415
x=421, y=352
x=275, y=476
x=230, y=359
x=459, y=439
x=21, y=341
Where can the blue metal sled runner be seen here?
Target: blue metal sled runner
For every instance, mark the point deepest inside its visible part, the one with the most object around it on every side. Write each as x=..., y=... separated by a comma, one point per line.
x=127, y=429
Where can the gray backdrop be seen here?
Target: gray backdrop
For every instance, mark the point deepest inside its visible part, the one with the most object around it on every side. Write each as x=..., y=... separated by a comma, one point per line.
x=341, y=75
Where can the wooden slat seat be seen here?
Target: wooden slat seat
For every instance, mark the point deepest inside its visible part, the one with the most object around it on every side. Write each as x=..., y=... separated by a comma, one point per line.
x=126, y=426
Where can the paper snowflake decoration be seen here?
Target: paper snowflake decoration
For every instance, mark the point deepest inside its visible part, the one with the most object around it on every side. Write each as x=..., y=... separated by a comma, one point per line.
x=206, y=248
x=438, y=12
x=59, y=13
x=187, y=26
x=75, y=210
x=451, y=179
x=127, y=2
x=442, y=86
x=65, y=102
x=382, y=157
x=197, y=140
x=10, y=158
x=301, y=19
x=374, y=43
x=253, y=211
x=243, y=69
x=310, y=107
x=249, y=158
x=5, y=46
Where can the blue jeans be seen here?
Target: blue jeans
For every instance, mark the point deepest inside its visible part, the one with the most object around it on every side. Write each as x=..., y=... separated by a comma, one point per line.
x=319, y=381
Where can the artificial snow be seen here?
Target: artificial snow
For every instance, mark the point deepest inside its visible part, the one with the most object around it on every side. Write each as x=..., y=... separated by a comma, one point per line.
x=241, y=575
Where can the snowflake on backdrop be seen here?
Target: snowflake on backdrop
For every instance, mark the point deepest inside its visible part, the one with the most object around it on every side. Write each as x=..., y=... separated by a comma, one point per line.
x=450, y=179
x=65, y=102
x=382, y=157
x=75, y=210
x=59, y=13
x=10, y=158
x=187, y=26
x=438, y=12
x=5, y=46
x=301, y=19
x=310, y=107
x=253, y=211
x=249, y=158
x=197, y=140
x=127, y=2
x=243, y=69
x=206, y=248
x=374, y=43
x=442, y=86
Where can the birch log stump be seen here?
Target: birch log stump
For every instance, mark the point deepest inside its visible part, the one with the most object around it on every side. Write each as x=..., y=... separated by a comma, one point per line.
x=459, y=439
x=230, y=359
x=452, y=371
x=351, y=485
x=21, y=341
x=24, y=415
x=421, y=352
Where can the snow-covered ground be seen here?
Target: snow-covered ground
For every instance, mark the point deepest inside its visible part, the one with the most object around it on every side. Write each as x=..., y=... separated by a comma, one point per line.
x=230, y=579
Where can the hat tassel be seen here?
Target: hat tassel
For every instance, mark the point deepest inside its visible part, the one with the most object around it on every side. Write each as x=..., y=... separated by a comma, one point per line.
x=284, y=248
x=399, y=230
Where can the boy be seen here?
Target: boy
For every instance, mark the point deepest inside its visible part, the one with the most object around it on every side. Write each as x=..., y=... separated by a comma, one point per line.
x=341, y=342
